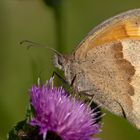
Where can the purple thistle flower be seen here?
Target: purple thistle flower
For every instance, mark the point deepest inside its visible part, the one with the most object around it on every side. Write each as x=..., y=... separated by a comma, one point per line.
x=58, y=114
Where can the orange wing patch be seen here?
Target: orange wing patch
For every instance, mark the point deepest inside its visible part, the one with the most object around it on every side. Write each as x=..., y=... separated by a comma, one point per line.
x=132, y=28
x=129, y=28
x=115, y=31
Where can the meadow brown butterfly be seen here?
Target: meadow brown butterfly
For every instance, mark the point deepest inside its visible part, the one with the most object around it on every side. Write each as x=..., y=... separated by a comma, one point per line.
x=106, y=65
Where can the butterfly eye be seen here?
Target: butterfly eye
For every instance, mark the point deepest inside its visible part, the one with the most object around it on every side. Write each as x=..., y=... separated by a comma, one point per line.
x=58, y=61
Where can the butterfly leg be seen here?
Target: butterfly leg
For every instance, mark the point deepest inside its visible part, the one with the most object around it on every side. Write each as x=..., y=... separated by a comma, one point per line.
x=59, y=76
x=69, y=87
x=84, y=92
x=73, y=80
x=62, y=79
x=123, y=112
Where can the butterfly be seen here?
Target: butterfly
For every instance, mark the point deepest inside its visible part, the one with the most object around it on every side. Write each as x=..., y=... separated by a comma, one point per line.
x=106, y=65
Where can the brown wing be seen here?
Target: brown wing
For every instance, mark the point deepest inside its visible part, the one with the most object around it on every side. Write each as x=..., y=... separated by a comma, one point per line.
x=113, y=72
x=111, y=54
x=125, y=25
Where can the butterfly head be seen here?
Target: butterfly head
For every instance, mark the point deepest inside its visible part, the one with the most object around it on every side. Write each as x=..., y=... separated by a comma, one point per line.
x=65, y=63
x=59, y=61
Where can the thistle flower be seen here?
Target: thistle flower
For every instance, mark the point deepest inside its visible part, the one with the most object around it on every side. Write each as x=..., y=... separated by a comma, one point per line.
x=61, y=117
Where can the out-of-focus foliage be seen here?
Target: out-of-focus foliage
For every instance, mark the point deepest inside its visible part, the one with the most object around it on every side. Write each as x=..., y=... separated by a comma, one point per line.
x=52, y=3
x=20, y=68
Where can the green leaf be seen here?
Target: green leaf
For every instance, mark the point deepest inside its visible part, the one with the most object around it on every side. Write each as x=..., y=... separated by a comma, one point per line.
x=24, y=131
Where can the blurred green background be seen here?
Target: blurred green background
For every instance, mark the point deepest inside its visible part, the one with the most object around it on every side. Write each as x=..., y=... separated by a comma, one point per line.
x=19, y=67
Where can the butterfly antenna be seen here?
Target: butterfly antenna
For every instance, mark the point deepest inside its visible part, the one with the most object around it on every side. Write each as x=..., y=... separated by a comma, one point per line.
x=30, y=44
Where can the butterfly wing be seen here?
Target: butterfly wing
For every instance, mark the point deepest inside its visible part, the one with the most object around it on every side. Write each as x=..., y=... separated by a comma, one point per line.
x=111, y=61
x=125, y=25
